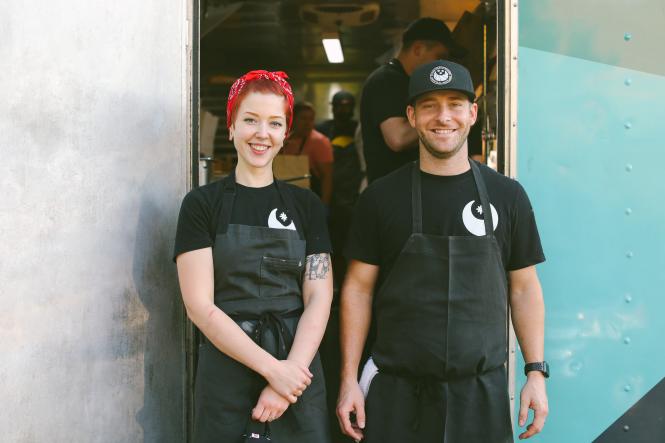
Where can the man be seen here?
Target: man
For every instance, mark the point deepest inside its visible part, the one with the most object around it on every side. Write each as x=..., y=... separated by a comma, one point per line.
x=305, y=140
x=347, y=174
x=388, y=139
x=441, y=240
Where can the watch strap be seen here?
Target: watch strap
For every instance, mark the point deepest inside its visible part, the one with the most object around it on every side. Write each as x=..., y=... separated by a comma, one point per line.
x=540, y=366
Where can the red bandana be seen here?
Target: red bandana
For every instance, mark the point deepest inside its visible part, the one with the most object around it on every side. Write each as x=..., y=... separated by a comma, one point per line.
x=278, y=77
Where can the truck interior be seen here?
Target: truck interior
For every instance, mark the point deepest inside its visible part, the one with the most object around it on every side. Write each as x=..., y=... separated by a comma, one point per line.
x=238, y=36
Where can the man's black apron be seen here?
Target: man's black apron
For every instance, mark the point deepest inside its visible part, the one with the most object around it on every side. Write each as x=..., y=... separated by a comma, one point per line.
x=258, y=275
x=441, y=345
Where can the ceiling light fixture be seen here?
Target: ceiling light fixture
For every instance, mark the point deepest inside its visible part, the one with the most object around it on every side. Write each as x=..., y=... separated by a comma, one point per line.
x=333, y=48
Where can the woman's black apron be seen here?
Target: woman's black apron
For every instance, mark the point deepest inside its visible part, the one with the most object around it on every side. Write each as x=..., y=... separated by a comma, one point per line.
x=258, y=276
x=441, y=345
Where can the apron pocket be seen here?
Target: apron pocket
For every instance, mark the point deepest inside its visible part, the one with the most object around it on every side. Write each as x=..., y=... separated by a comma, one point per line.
x=283, y=264
x=280, y=276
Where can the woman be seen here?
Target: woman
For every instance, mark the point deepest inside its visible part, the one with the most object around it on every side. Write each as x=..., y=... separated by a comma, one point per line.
x=241, y=248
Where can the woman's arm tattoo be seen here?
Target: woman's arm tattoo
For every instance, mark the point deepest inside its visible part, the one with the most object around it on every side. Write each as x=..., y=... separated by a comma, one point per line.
x=318, y=266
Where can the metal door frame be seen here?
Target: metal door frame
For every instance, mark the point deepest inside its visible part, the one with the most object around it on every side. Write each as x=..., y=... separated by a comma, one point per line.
x=507, y=39
x=192, y=96
x=507, y=14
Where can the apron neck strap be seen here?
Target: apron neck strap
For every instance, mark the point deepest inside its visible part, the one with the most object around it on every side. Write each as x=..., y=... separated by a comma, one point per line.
x=416, y=199
x=287, y=198
x=417, y=202
x=484, y=199
x=228, y=200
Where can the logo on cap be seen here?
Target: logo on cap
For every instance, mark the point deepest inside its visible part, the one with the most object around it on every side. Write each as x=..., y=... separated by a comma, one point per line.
x=441, y=75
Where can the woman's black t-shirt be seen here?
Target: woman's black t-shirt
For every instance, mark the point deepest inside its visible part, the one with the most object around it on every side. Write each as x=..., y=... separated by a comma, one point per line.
x=199, y=219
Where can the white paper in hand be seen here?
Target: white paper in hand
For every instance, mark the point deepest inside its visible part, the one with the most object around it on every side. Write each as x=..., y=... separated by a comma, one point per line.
x=369, y=371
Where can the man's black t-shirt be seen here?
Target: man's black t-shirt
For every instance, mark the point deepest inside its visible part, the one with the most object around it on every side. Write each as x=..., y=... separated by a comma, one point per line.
x=332, y=129
x=384, y=96
x=451, y=207
x=199, y=219
x=347, y=172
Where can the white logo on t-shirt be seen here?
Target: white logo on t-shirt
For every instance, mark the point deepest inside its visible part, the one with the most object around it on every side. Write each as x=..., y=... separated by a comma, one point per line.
x=279, y=219
x=472, y=216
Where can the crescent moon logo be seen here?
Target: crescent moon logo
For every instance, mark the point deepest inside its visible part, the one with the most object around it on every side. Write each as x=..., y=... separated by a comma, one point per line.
x=476, y=225
x=279, y=219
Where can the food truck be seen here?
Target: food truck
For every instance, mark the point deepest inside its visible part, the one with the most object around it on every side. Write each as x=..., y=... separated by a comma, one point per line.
x=112, y=112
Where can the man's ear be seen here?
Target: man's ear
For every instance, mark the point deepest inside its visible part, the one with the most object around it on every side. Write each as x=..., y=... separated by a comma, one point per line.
x=474, y=112
x=411, y=115
x=417, y=48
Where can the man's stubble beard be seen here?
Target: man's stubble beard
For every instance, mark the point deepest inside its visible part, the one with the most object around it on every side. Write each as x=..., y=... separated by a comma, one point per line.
x=447, y=154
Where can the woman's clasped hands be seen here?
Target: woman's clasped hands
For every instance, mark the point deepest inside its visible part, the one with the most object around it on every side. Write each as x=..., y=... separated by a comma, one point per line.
x=287, y=380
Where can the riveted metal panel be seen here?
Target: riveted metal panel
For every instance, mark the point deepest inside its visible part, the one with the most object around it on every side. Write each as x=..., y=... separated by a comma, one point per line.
x=643, y=422
x=94, y=132
x=590, y=149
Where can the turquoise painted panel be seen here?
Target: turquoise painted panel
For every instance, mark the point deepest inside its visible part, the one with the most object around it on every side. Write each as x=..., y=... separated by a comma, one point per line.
x=627, y=33
x=591, y=145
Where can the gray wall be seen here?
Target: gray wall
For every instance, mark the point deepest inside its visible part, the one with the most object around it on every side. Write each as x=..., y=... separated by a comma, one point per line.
x=94, y=143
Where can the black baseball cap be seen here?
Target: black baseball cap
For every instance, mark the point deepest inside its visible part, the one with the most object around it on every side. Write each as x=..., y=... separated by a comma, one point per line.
x=342, y=96
x=440, y=75
x=428, y=28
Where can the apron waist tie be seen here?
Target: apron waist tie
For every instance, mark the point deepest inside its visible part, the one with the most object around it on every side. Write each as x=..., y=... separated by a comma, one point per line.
x=427, y=392
x=273, y=322
x=283, y=340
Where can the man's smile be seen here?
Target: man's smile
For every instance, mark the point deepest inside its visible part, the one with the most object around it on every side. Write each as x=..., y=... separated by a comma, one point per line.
x=444, y=131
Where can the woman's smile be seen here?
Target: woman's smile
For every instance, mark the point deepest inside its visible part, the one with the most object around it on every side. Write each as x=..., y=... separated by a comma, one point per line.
x=259, y=148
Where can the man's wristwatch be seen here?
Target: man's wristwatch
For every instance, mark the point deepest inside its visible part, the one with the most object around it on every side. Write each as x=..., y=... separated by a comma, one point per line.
x=540, y=366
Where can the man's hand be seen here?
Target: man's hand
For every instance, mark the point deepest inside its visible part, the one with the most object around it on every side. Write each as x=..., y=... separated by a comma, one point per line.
x=351, y=400
x=534, y=397
x=270, y=406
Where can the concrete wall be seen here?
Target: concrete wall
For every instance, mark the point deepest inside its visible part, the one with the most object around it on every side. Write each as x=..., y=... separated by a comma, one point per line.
x=94, y=143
